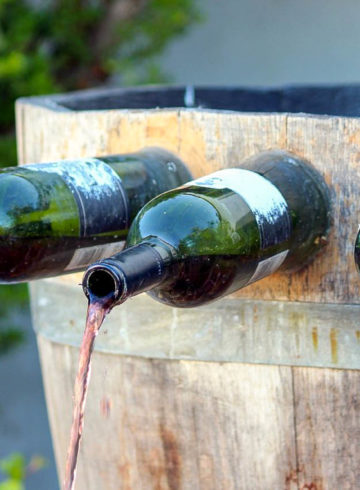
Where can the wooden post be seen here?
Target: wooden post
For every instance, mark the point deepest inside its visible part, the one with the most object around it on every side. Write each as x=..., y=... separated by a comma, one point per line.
x=259, y=390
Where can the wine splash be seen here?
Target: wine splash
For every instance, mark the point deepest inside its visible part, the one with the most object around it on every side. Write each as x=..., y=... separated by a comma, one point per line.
x=97, y=310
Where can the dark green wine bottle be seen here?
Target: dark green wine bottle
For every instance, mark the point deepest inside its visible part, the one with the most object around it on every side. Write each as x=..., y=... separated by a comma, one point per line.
x=357, y=251
x=219, y=233
x=59, y=217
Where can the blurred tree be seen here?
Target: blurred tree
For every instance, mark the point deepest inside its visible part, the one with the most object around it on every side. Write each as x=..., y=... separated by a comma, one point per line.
x=16, y=469
x=62, y=45
x=13, y=306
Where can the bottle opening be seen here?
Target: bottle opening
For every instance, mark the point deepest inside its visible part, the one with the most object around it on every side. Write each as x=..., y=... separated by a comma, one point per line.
x=101, y=283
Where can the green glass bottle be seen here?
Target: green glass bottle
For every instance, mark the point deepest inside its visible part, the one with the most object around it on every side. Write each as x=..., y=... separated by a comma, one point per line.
x=59, y=217
x=220, y=233
x=357, y=251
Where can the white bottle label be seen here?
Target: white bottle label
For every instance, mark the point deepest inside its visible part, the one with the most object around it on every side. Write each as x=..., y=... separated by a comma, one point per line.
x=268, y=266
x=98, y=191
x=84, y=256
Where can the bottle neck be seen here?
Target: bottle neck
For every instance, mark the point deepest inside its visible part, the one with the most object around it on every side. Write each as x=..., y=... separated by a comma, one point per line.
x=135, y=270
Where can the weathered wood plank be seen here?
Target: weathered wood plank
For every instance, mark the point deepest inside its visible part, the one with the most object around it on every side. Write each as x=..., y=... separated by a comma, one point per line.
x=209, y=140
x=250, y=331
x=334, y=145
x=327, y=420
x=172, y=425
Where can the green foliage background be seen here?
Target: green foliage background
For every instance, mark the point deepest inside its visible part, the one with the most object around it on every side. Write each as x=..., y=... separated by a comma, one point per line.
x=63, y=45
x=16, y=469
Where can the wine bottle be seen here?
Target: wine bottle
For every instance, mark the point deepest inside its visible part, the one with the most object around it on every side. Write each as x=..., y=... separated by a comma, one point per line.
x=219, y=233
x=59, y=217
x=357, y=251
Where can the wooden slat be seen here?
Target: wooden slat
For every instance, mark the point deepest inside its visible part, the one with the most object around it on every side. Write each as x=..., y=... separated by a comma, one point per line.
x=172, y=425
x=327, y=419
x=248, y=331
x=334, y=145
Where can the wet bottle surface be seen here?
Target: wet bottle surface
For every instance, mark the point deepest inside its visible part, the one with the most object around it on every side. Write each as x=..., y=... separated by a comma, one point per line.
x=219, y=233
x=59, y=217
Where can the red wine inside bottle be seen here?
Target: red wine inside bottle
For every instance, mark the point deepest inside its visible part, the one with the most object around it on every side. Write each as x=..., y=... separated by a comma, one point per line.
x=220, y=233
x=59, y=217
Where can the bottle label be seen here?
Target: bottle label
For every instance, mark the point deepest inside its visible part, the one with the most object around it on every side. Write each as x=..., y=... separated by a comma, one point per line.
x=84, y=256
x=98, y=191
x=268, y=266
x=264, y=199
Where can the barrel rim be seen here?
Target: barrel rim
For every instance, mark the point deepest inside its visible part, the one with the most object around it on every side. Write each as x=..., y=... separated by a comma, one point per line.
x=329, y=100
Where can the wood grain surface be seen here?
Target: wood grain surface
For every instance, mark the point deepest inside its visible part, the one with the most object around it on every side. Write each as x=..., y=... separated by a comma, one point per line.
x=173, y=424
x=208, y=140
x=179, y=425
x=176, y=424
x=327, y=428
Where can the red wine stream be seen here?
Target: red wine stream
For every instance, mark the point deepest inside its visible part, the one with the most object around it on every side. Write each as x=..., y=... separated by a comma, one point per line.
x=95, y=317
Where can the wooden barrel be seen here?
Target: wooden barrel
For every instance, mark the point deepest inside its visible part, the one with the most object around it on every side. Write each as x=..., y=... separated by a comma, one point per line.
x=259, y=390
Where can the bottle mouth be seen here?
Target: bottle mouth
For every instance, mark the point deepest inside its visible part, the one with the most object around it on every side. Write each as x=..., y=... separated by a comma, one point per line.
x=102, y=281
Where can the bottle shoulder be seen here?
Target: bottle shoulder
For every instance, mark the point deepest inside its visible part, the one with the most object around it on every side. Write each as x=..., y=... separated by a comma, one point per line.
x=197, y=220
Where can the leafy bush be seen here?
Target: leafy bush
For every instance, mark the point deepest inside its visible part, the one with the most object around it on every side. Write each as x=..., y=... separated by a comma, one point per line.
x=12, y=297
x=66, y=45
x=7, y=149
x=15, y=469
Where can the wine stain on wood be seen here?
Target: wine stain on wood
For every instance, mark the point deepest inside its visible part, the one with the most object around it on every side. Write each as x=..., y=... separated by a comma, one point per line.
x=125, y=475
x=172, y=457
x=105, y=407
x=310, y=486
x=296, y=322
x=255, y=314
x=315, y=338
x=334, y=346
x=291, y=478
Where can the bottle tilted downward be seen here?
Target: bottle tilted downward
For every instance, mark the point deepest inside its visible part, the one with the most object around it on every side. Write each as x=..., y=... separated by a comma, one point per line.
x=59, y=217
x=220, y=233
